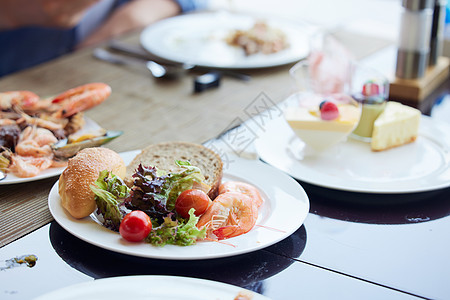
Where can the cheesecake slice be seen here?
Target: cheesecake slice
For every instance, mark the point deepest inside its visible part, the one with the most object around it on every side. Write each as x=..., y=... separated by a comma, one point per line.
x=397, y=125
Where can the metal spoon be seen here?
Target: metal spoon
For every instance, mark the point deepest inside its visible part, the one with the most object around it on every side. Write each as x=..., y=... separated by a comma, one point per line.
x=156, y=69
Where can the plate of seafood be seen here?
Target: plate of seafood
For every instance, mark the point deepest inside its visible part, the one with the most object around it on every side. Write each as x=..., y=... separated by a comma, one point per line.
x=38, y=135
x=283, y=208
x=226, y=40
x=152, y=287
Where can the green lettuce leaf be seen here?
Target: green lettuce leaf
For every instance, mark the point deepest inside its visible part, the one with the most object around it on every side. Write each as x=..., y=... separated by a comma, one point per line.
x=110, y=191
x=177, y=232
x=156, y=195
x=176, y=183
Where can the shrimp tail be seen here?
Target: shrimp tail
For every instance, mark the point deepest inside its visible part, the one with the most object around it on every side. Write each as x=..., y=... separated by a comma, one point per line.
x=226, y=232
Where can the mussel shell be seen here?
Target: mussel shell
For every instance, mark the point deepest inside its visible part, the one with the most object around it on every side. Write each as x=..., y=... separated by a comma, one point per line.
x=63, y=150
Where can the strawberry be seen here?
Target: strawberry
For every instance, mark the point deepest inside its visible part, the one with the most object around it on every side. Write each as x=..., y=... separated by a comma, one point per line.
x=370, y=89
x=328, y=111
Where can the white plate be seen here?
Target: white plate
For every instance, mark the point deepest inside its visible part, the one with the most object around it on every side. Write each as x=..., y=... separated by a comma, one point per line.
x=51, y=172
x=351, y=166
x=150, y=287
x=282, y=213
x=199, y=39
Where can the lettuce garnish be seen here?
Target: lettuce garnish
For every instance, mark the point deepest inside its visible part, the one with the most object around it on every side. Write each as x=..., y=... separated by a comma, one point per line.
x=156, y=194
x=177, y=232
x=110, y=191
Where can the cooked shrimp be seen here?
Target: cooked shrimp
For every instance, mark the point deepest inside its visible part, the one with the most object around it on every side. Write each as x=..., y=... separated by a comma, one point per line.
x=35, y=142
x=59, y=163
x=44, y=137
x=33, y=153
x=80, y=98
x=230, y=214
x=4, y=122
x=18, y=99
x=244, y=188
x=41, y=122
x=32, y=148
x=29, y=166
x=41, y=135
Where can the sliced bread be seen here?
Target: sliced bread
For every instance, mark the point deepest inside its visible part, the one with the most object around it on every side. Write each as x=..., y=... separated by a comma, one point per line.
x=163, y=156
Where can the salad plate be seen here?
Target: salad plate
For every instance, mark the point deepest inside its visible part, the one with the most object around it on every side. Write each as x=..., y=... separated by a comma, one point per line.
x=421, y=166
x=151, y=287
x=200, y=39
x=90, y=125
x=285, y=207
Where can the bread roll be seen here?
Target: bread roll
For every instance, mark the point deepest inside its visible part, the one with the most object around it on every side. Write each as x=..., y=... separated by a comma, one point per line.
x=82, y=171
x=163, y=156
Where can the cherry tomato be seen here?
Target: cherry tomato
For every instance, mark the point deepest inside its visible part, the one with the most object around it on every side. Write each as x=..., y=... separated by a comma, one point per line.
x=193, y=198
x=135, y=226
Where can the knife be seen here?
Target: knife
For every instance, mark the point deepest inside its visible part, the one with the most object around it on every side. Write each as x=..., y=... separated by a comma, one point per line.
x=156, y=69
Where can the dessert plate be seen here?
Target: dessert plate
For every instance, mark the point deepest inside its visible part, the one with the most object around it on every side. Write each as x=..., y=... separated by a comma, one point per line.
x=200, y=39
x=284, y=209
x=151, y=287
x=51, y=172
x=351, y=166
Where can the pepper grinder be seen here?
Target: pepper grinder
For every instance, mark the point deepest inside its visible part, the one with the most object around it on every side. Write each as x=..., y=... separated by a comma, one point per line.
x=414, y=38
x=437, y=31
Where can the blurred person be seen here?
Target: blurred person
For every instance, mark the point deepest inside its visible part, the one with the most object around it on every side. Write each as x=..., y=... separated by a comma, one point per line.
x=35, y=31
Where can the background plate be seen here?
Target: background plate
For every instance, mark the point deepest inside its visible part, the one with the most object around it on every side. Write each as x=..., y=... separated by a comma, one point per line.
x=199, y=39
x=150, y=288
